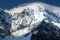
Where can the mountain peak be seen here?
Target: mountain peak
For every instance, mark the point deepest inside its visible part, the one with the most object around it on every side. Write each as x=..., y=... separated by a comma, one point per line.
x=22, y=22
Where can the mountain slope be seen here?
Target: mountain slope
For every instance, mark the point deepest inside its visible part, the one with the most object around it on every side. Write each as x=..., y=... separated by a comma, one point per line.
x=30, y=20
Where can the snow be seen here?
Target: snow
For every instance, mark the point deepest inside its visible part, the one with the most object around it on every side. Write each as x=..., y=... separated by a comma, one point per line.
x=28, y=37
x=37, y=15
x=35, y=32
x=21, y=32
x=18, y=38
x=57, y=24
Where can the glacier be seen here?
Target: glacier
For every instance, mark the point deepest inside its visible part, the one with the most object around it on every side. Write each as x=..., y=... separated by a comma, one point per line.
x=30, y=21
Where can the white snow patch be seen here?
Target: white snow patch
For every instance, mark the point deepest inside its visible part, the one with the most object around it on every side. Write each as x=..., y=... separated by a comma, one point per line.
x=57, y=24
x=21, y=32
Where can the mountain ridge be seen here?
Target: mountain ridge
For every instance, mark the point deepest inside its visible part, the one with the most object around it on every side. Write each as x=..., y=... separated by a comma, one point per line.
x=25, y=19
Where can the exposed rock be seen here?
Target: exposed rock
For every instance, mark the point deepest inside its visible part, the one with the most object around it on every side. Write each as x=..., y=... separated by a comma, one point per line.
x=46, y=31
x=4, y=26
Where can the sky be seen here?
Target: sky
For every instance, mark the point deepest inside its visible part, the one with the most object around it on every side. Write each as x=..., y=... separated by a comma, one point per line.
x=7, y=4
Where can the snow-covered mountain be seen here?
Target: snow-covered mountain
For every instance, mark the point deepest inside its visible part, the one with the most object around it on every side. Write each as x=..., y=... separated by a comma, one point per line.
x=31, y=21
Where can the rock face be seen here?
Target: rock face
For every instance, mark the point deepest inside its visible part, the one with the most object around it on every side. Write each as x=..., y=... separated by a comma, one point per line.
x=4, y=26
x=46, y=31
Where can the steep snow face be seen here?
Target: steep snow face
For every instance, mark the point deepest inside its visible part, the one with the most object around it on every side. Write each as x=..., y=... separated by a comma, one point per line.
x=27, y=17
